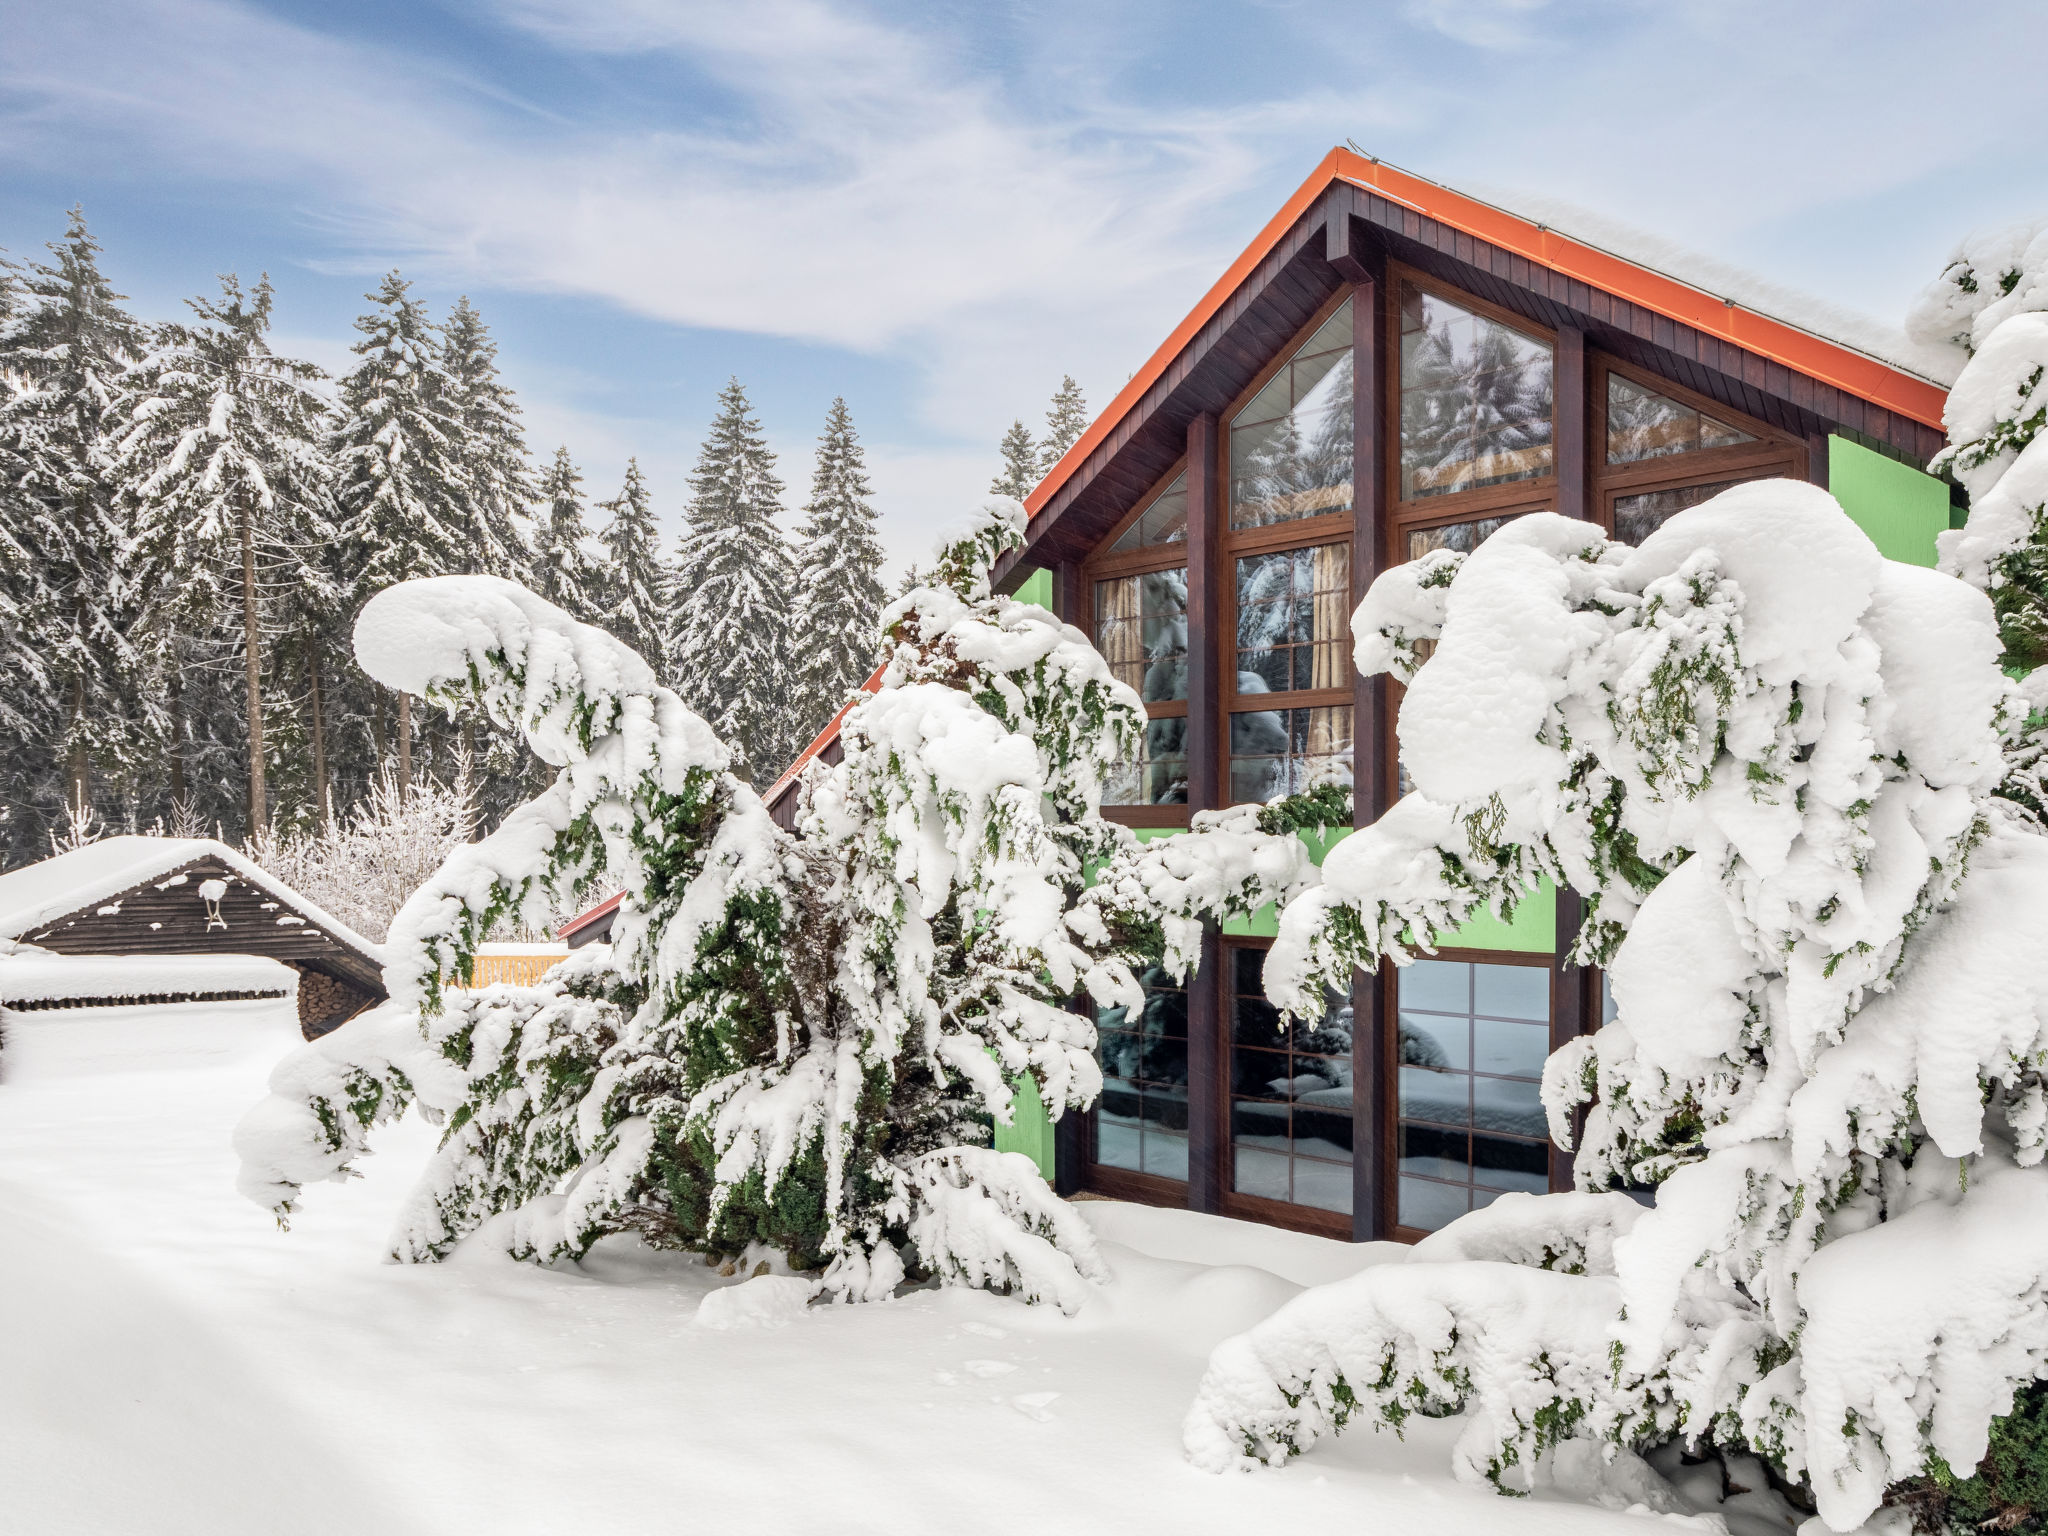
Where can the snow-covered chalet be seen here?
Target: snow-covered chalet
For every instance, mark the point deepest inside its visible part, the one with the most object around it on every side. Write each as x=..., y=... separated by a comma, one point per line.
x=1393, y=367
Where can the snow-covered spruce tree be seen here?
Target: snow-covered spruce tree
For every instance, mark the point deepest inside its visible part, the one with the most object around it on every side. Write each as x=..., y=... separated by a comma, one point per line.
x=735, y=589
x=839, y=579
x=797, y=1038
x=563, y=571
x=634, y=580
x=399, y=474
x=62, y=355
x=1065, y=420
x=483, y=421
x=1992, y=302
x=1767, y=758
x=216, y=451
x=1020, y=463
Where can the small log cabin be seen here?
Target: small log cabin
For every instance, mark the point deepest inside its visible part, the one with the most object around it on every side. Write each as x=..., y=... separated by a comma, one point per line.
x=1393, y=367
x=156, y=896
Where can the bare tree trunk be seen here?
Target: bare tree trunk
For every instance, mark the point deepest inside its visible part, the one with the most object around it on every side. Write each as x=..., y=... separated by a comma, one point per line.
x=79, y=767
x=252, y=647
x=322, y=800
x=404, y=746
x=176, y=690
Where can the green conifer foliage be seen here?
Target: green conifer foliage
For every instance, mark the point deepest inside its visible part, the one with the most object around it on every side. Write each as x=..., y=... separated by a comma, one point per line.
x=797, y=1038
x=563, y=569
x=64, y=351
x=1020, y=463
x=839, y=587
x=634, y=581
x=1065, y=420
x=729, y=649
x=497, y=483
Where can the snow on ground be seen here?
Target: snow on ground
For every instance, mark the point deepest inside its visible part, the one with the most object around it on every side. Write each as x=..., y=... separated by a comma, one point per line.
x=171, y=1362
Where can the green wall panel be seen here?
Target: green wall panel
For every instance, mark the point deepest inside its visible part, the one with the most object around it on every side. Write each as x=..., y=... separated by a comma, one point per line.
x=1533, y=931
x=1030, y=1128
x=1898, y=506
x=1037, y=588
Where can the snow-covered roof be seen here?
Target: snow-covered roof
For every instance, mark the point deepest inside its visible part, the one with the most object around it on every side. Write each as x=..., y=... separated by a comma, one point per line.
x=1710, y=274
x=30, y=975
x=36, y=893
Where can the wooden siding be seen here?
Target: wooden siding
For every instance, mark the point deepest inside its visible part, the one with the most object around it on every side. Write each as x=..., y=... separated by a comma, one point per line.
x=160, y=918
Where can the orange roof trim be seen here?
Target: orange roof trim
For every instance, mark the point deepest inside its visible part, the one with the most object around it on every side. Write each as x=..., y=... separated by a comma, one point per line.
x=1856, y=373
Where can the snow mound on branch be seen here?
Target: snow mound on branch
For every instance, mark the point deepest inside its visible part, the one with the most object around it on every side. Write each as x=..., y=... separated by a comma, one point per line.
x=1572, y=1233
x=1523, y=1352
x=989, y=1219
x=766, y=1301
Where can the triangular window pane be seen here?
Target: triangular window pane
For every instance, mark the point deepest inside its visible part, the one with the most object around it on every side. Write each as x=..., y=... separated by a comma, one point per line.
x=1164, y=522
x=1642, y=424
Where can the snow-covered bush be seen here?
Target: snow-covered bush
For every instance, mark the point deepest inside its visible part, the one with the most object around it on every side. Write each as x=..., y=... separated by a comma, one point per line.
x=1767, y=758
x=798, y=1038
x=363, y=869
x=1992, y=302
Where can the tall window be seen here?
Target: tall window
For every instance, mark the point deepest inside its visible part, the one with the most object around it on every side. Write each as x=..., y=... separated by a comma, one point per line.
x=1476, y=406
x=1140, y=589
x=1290, y=1096
x=1141, y=1120
x=1290, y=444
x=1663, y=450
x=1472, y=1039
x=1288, y=684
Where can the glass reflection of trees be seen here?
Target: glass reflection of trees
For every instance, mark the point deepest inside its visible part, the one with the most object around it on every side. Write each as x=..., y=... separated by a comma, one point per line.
x=1290, y=1095
x=1642, y=424
x=1141, y=628
x=1290, y=446
x=1475, y=399
x=1141, y=1120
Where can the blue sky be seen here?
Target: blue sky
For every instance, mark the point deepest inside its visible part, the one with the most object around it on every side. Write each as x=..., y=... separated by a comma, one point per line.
x=937, y=209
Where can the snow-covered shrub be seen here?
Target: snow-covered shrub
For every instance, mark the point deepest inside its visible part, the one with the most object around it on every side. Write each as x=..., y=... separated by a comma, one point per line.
x=363, y=869
x=1767, y=758
x=797, y=1039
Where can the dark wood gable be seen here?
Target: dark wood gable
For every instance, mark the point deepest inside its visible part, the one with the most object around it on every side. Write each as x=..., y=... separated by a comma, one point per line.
x=1347, y=235
x=166, y=915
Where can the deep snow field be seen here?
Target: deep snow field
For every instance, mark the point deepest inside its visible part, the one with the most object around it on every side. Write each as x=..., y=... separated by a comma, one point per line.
x=171, y=1362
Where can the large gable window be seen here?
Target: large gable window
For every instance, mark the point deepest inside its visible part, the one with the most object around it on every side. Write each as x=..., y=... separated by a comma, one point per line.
x=1662, y=449
x=1139, y=587
x=1476, y=406
x=1290, y=444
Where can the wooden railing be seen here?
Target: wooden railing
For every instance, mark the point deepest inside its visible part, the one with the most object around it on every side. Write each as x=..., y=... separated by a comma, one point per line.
x=518, y=970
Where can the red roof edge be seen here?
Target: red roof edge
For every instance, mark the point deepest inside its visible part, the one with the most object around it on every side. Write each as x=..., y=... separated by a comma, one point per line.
x=583, y=920
x=1830, y=362
x=820, y=741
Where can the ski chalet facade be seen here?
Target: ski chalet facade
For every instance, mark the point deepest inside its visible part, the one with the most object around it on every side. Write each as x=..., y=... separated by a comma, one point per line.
x=1391, y=367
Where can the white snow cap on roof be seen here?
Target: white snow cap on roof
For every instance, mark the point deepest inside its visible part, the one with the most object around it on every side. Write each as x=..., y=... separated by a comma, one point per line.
x=34, y=975
x=36, y=893
x=1889, y=344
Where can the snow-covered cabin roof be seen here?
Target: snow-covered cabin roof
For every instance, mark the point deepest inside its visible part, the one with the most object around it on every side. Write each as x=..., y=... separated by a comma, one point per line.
x=68, y=882
x=29, y=975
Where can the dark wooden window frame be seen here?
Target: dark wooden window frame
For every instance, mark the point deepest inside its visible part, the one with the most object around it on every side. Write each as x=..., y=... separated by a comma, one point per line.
x=1390, y=1073
x=1272, y=1213
x=1773, y=452
x=1271, y=538
x=1537, y=491
x=1102, y=565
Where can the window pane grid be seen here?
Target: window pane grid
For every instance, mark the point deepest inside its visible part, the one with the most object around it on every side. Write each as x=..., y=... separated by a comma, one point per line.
x=1291, y=445
x=1141, y=1120
x=1141, y=628
x=1159, y=774
x=1472, y=1039
x=1476, y=400
x=1285, y=751
x=1290, y=1096
x=1164, y=522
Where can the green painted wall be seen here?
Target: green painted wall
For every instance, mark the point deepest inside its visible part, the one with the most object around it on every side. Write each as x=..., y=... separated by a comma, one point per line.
x=1030, y=1129
x=1898, y=506
x=1037, y=588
